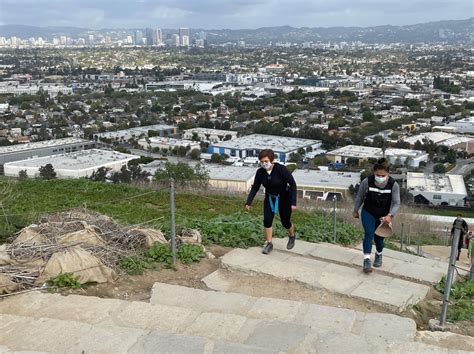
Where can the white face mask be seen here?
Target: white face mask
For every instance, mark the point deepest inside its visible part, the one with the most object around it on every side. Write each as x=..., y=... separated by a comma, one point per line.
x=380, y=180
x=267, y=165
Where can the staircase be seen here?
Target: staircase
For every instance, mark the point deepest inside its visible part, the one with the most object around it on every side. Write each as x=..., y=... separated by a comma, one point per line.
x=186, y=320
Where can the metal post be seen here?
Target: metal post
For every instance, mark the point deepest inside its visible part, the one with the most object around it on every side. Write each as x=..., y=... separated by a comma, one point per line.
x=471, y=274
x=401, y=238
x=452, y=263
x=173, y=224
x=334, y=221
x=447, y=237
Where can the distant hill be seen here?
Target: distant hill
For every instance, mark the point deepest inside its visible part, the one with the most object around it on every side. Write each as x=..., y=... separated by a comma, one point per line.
x=457, y=31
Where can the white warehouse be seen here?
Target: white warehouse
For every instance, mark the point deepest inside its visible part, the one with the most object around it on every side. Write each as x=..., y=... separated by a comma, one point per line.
x=210, y=135
x=167, y=143
x=71, y=165
x=437, y=189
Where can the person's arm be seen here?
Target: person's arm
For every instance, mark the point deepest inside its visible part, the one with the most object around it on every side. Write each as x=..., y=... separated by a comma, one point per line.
x=395, y=200
x=290, y=180
x=361, y=194
x=255, y=187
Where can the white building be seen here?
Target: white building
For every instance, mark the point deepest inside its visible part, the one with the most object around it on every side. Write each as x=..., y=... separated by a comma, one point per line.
x=168, y=143
x=136, y=133
x=463, y=126
x=251, y=145
x=231, y=178
x=71, y=165
x=364, y=153
x=437, y=189
x=435, y=137
x=317, y=184
x=42, y=148
x=209, y=135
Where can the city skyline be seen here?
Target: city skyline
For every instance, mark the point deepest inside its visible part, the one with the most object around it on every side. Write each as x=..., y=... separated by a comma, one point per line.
x=241, y=14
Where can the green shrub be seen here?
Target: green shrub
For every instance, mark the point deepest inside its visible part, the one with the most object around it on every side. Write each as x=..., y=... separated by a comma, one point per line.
x=188, y=254
x=134, y=265
x=461, y=300
x=65, y=280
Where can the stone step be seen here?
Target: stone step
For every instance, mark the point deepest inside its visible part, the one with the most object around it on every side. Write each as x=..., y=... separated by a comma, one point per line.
x=40, y=322
x=392, y=293
x=395, y=264
x=318, y=317
x=47, y=335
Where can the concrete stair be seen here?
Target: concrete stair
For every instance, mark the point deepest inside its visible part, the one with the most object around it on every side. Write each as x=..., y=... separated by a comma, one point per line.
x=396, y=264
x=184, y=320
x=388, y=291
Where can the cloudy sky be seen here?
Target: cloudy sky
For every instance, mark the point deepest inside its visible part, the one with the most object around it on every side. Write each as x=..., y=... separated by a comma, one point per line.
x=218, y=14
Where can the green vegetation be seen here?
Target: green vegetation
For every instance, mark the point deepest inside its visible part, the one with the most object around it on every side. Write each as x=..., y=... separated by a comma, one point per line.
x=160, y=256
x=65, y=280
x=461, y=307
x=220, y=219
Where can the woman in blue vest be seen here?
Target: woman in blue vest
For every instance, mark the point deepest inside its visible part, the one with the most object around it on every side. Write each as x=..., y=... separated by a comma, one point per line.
x=379, y=196
x=280, y=197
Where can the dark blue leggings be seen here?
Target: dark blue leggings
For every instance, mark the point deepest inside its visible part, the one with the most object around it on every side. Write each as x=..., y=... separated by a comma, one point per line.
x=370, y=224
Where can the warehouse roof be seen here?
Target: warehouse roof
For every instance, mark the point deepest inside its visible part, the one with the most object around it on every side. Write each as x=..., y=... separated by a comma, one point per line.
x=261, y=142
x=436, y=183
x=41, y=145
x=230, y=173
x=137, y=131
x=357, y=151
x=328, y=179
x=79, y=160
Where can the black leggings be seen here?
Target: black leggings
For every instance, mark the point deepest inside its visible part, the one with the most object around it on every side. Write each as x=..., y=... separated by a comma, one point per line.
x=284, y=208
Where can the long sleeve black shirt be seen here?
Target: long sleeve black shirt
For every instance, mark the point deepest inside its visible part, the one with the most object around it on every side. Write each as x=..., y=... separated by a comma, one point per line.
x=279, y=182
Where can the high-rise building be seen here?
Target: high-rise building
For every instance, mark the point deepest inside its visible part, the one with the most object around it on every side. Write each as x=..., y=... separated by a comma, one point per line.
x=176, y=40
x=159, y=36
x=63, y=40
x=183, y=34
x=90, y=39
x=150, y=36
x=203, y=35
x=138, y=37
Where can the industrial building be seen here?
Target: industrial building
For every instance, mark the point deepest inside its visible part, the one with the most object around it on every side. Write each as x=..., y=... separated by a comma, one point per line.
x=251, y=145
x=167, y=143
x=463, y=126
x=42, y=148
x=231, y=178
x=123, y=136
x=209, y=135
x=364, y=153
x=71, y=165
x=324, y=184
x=437, y=189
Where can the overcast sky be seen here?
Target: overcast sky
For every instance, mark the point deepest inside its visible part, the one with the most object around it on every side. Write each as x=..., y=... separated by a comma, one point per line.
x=216, y=14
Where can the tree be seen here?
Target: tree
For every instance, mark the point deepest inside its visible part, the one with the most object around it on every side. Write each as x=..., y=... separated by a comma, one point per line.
x=439, y=168
x=291, y=167
x=100, y=175
x=47, y=172
x=216, y=158
x=182, y=173
x=368, y=116
x=22, y=174
x=182, y=151
x=352, y=161
x=451, y=156
x=195, y=154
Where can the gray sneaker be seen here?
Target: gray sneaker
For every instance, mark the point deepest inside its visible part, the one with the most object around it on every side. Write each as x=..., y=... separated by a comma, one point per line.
x=378, y=260
x=267, y=248
x=367, y=265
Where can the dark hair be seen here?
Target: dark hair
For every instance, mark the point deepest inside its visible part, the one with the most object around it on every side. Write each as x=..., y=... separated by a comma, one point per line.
x=382, y=165
x=267, y=153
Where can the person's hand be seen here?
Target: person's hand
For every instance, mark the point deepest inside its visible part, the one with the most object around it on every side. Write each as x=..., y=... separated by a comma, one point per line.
x=387, y=219
x=355, y=214
x=293, y=207
x=248, y=207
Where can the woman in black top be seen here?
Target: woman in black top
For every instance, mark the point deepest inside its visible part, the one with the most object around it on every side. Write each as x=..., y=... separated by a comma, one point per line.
x=280, y=196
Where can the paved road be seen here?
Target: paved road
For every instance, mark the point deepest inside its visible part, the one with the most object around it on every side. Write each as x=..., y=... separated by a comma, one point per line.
x=463, y=167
